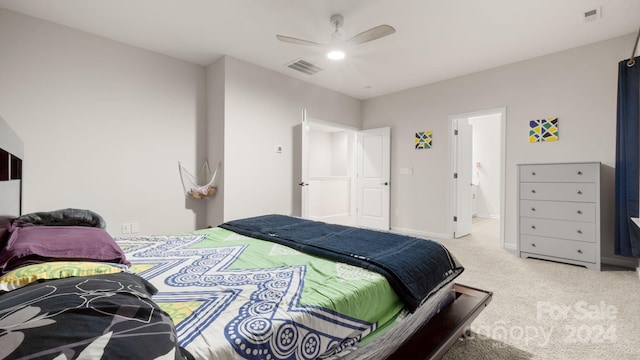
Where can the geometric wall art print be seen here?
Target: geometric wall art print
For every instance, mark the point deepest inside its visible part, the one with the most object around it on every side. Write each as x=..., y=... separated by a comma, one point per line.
x=543, y=130
x=423, y=140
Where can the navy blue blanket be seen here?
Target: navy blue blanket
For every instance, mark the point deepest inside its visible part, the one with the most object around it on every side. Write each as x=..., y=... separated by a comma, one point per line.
x=415, y=268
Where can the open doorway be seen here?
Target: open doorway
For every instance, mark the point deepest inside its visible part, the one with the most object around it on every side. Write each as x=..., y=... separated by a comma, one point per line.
x=485, y=178
x=330, y=172
x=345, y=174
x=478, y=158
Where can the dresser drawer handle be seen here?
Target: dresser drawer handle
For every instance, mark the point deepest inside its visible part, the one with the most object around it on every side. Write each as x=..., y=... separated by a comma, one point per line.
x=533, y=209
x=533, y=244
x=579, y=231
x=579, y=172
x=579, y=251
x=579, y=212
x=533, y=227
x=533, y=191
x=579, y=192
x=533, y=173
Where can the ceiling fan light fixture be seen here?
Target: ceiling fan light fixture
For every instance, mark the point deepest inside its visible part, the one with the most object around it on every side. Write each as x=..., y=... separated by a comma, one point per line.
x=336, y=54
x=337, y=44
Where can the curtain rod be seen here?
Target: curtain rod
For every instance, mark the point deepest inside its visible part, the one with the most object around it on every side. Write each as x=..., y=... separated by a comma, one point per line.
x=632, y=61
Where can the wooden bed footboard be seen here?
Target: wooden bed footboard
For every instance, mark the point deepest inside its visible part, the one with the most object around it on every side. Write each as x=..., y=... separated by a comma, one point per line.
x=438, y=335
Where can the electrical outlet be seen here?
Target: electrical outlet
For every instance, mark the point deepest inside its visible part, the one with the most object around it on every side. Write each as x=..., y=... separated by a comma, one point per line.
x=135, y=227
x=126, y=228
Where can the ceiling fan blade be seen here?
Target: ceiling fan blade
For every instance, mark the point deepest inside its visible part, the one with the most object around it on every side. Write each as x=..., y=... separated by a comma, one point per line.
x=371, y=34
x=297, y=41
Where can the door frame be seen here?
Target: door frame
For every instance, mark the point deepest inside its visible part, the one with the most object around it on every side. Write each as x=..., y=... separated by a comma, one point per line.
x=452, y=156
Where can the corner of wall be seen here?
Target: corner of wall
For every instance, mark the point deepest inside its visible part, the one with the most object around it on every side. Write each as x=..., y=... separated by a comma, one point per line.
x=215, y=86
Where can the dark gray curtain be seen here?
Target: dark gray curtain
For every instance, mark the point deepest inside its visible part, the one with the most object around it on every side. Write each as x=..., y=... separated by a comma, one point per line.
x=627, y=190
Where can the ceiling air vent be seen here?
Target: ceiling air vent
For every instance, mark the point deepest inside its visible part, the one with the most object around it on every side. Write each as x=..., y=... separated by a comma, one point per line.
x=593, y=14
x=304, y=66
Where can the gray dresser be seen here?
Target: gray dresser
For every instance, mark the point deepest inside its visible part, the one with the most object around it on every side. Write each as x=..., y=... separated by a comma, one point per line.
x=559, y=212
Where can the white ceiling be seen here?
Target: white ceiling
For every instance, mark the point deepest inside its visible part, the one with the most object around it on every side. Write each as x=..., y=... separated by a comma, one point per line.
x=435, y=39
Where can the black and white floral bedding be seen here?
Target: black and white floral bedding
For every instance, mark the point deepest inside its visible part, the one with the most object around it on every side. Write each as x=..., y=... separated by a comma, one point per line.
x=90, y=317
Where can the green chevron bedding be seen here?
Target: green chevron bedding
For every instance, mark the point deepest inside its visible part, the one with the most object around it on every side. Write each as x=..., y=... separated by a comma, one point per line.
x=210, y=294
x=235, y=297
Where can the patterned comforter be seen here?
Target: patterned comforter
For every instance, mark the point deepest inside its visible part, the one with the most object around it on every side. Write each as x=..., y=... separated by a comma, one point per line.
x=87, y=317
x=210, y=294
x=235, y=297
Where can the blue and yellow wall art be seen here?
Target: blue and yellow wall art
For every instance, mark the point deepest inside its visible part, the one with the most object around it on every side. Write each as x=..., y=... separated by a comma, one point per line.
x=543, y=130
x=423, y=140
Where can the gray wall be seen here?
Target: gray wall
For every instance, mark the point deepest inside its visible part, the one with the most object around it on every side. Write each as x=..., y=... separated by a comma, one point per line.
x=263, y=109
x=215, y=138
x=104, y=124
x=578, y=86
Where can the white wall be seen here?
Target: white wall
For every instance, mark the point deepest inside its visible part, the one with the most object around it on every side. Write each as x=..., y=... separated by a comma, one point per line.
x=330, y=158
x=104, y=124
x=263, y=109
x=320, y=153
x=578, y=86
x=486, y=152
x=342, y=153
x=329, y=197
x=330, y=153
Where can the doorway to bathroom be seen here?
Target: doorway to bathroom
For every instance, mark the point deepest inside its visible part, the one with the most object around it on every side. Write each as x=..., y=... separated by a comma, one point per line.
x=478, y=163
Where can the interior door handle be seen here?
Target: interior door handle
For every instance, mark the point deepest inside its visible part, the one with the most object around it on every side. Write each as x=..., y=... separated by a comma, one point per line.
x=386, y=183
x=303, y=184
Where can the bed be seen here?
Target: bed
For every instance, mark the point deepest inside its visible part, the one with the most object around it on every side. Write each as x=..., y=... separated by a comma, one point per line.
x=267, y=287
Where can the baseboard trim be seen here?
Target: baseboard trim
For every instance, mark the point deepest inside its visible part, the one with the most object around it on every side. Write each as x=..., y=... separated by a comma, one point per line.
x=488, y=216
x=439, y=237
x=628, y=263
x=321, y=218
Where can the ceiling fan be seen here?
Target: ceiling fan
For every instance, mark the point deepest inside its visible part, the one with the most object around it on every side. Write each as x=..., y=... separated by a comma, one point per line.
x=337, y=45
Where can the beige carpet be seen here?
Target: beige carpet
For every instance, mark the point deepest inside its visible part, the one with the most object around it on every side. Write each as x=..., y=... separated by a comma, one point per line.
x=545, y=310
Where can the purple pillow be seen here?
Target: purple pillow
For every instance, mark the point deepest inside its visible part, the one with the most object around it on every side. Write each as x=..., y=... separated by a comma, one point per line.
x=5, y=229
x=37, y=244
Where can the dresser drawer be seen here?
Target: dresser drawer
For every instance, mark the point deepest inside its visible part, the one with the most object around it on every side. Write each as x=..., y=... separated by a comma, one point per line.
x=563, y=229
x=558, y=210
x=587, y=172
x=585, y=192
x=567, y=249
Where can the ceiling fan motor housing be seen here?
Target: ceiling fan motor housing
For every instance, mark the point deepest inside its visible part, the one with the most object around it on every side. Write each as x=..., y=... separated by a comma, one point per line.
x=336, y=20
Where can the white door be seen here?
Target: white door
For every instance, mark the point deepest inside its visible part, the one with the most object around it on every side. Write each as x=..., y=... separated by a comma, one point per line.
x=373, y=177
x=463, y=177
x=304, y=168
